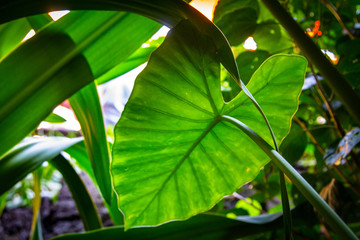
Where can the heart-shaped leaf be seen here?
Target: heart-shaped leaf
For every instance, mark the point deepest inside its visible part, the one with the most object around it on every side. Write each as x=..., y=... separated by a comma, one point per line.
x=173, y=156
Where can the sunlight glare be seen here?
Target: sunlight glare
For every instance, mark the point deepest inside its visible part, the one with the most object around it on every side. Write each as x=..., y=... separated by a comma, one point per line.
x=331, y=55
x=206, y=7
x=56, y=15
x=161, y=33
x=250, y=44
x=29, y=35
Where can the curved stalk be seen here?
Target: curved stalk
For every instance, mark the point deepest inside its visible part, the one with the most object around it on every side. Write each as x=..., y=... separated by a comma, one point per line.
x=334, y=221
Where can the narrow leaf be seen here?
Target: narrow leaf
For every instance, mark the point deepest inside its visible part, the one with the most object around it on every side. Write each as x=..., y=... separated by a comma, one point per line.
x=166, y=12
x=75, y=47
x=28, y=156
x=86, y=106
x=79, y=153
x=36, y=232
x=139, y=57
x=83, y=201
x=32, y=96
x=11, y=35
x=2, y=202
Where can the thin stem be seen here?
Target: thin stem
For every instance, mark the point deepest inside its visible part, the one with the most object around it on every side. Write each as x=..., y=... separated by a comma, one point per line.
x=334, y=221
x=334, y=11
x=312, y=138
x=335, y=80
x=329, y=107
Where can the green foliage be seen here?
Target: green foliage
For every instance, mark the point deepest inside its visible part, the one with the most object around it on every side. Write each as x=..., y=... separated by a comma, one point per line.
x=158, y=150
x=192, y=132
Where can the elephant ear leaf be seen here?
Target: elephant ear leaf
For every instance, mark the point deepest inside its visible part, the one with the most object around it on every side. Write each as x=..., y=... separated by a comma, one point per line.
x=173, y=156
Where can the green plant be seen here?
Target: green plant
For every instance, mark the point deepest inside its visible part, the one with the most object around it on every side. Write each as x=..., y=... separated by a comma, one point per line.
x=179, y=147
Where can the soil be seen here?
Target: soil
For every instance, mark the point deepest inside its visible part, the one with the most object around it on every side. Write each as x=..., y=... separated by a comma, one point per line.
x=56, y=217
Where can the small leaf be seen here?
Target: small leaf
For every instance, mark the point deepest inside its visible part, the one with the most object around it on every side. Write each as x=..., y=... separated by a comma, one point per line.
x=54, y=118
x=173, y=157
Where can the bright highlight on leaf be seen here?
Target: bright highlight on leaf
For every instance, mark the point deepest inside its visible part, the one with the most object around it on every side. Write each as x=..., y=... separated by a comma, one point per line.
x=206, y=7
x=250, y=44
x=56, y=15
x=29, y=35
x=170, y=164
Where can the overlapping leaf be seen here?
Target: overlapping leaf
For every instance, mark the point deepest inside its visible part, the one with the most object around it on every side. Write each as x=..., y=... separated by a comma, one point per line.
x=173, y=157
x=28, y=156
x=61, y=59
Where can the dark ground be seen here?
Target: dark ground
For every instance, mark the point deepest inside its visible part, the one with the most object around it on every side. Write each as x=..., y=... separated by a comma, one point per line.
x=56, y=218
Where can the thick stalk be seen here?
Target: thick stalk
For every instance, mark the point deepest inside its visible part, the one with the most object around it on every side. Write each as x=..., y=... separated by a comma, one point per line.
x=334, y=79
x=334, y=221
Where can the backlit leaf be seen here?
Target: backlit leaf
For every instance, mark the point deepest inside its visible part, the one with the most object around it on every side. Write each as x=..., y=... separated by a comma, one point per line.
x=170, y=164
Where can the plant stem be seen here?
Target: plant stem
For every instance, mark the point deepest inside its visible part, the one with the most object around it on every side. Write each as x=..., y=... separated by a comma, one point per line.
x=329, y=107
x=287, y=219
x=334, y=11
x=335, y=80
x=312, y=138
x=334, y=221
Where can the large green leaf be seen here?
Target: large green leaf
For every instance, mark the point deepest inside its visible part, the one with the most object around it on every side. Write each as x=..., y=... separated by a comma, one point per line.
x=54, y=118
x=61, y=59
x=87, y=108
x=28, y=156
x=173, y=156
